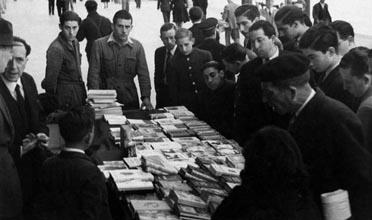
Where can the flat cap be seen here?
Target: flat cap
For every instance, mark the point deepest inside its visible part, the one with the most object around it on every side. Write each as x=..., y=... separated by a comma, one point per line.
x=286, y=66
x=6, y=33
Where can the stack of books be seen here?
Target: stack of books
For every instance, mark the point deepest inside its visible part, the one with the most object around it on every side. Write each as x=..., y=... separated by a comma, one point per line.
x=151, y=210
x=180, y=112
x=104, y=102
x=132, y=180
x=157, y=164
x=107, y=166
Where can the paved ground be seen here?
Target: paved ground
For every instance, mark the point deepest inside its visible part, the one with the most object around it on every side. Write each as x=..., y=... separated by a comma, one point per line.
x=31, y=21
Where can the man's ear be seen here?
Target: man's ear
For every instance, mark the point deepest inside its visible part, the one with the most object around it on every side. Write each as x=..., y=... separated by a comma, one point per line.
x=367, y=78
x=293, y=92
x=332, y=51
x=221, y=73
x=192, y=40
x=350, y=39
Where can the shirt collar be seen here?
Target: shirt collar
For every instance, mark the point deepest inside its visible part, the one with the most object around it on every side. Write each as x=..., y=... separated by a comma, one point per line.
x=173, y=50
x=330, y=70
x=275, y=55
x=112, y=39
x=312, y=94
x=69, y=149
x=12, y=85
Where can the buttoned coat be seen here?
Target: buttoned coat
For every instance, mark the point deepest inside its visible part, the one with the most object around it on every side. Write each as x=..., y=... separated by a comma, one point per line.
x=161, y=76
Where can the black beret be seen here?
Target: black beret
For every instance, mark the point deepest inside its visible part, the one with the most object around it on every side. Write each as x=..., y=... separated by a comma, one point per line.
x=286, y=66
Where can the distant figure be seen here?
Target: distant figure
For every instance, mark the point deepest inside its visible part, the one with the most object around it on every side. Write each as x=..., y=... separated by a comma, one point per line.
x=203, y=4
x=321, y=13
x=179, y=8
x=345, y=34
x=51, y=6
x=196, y=16
x=231, y=30
x=138, y=3
x=268, y=11
x=125, y=5
x=165, y=8
x=2, y=6
x=105, y=3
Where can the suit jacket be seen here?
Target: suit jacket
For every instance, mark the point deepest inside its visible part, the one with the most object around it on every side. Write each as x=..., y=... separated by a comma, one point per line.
x=197, y=34
x=330, y=138
x=364, y=113
x=161, y=86
x=214, y=47
x=72, y=188
x=321, y=14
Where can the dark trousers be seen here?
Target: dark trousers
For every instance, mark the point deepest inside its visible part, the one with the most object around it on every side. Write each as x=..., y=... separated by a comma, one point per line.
x=138, y=3
x=60, y=7
x=166, y=16
x=51, y=7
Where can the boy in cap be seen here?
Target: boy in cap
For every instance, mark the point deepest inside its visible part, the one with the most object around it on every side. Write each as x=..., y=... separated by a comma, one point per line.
x=327, y=132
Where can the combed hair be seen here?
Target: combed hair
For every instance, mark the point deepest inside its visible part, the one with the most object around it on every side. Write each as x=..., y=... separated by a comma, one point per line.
x=215, y=64
x=166, y=27
x=319, y=37
x=195, y=13
x=266, y=26
x=289, y=14
x=91, y=5
x=182, y=33
x=69, y=16
x=249, y=11
x=122, y=14
x=76, y=124
x=357, y=60
x=343, y=28
x=22, y=41
x=234, y=52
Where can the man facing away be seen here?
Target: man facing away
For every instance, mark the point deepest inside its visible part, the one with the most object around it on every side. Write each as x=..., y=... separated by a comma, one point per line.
x=116, y=60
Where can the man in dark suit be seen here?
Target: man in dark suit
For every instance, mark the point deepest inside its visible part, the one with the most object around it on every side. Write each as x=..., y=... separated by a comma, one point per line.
x=21, y=97
x=320, y=45
x=186, y=77
x=321, y=13
x=163, y=56
x=208, y=27
x=72, y=185
x=250, y=112
x=327, y=132
x=165, y=8
x=10, y=187
x=196, y=16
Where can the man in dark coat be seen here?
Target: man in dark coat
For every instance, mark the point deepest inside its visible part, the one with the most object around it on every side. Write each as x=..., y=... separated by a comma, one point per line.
x=327, y=132
x=93, y=27
x=63, y=78
x=210, y=43
x=203, y=4
x=186, y=78
x=321, y=13
x=320, y=45
x=10, y=186
x=165, y=8
x=218, y=99
x=163, y=56
x=196, y=15
x=72, y=185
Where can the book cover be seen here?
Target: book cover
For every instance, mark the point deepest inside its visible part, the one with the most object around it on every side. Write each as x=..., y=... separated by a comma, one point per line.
x=149, y=205
x=186, y=198
x=132, y=162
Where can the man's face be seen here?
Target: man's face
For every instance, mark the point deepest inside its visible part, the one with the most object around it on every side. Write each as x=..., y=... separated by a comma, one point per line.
x=69, y=29
x=185, y=45
x=122, y=28
x=319, y=61
x=212, y=77
x=262, y=45
x=168, y=38
x=232, y=67
x=244, y=24
x=278, y=99
x=17, y=63
x=355, y=85
x=5, y=56
x=287, y=30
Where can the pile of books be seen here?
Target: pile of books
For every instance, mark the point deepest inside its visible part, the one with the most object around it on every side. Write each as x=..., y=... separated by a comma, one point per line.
x=132, y=180
x=151, y=210
x=104, y=102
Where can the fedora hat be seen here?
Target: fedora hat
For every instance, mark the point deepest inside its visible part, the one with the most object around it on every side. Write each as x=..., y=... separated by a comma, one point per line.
x=6, y=33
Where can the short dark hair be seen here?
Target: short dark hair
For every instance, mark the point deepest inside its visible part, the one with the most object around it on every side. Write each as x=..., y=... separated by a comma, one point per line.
x=69, y=16
x=195, y=13
x=91, y=5
x=249, y=11
x=183, y=32
x=319, y=37
x=76, y=124
x=289, y=14
x=22, y=41
x=297, y=81
x=122, y=14
x=343, y=28
x=166, y=27
x=234, y=52
x=266, y=26
x=357, y=60
x=215, y=64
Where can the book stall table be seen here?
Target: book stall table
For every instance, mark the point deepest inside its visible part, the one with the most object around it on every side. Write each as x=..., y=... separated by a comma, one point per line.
x=169, y=165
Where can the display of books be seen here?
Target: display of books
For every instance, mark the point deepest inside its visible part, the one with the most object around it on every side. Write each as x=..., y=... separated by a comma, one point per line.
x=132, y=180
x=156, y=215
x=161, y=115
x=132, y=162
x=111, y=165
x=115, y=119
x=104, y=102
x=157, y=164
x=186, y=198
x=149, y=205
x=219, y=170
x=188, y=212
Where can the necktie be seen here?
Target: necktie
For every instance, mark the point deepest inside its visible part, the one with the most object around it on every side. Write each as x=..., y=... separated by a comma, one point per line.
x=166, y=65
x=20, y=99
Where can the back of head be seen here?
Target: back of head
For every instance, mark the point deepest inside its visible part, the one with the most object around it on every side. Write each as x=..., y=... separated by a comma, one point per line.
x=289, y=14
x=249, y=11
x=76, y=124
x=214, y=64
x=122, y=14
x=357, y=60
x=343, y=28
x=195, y=13
x=182, y=33
x=234, y=52
x=69, y=16
x=91, y=6
x=319, y=38
x=266, y=26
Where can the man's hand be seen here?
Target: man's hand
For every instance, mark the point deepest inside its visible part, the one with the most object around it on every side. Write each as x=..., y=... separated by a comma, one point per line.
x=146, y=104
x=43, y=139
x=31, y=141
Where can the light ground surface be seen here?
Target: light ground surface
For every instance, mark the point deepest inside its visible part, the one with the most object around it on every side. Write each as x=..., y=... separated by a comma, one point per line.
x=31, y=21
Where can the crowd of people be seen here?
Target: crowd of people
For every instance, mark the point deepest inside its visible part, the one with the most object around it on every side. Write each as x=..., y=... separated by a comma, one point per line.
x=296, y=96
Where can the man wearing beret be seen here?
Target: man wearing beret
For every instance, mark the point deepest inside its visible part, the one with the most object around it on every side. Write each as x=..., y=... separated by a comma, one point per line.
x=328, y=133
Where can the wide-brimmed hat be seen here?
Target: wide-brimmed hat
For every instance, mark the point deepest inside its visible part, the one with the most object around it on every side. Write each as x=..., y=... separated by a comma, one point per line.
x=6, y=33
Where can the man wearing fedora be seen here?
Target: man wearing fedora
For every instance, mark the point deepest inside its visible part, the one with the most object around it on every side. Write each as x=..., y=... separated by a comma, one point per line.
x=10, y=188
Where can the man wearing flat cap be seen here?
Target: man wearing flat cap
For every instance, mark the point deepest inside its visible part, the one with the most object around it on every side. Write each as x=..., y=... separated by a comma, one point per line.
x=208, y=27
x=328, y=133
x=10, y=188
